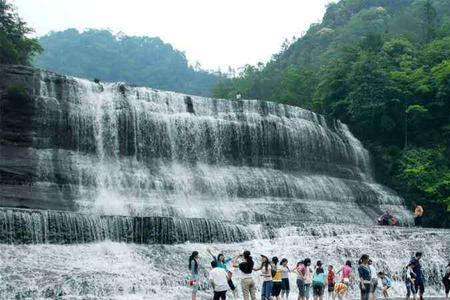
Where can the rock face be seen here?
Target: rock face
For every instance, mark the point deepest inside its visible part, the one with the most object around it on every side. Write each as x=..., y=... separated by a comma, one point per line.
x=113, y=149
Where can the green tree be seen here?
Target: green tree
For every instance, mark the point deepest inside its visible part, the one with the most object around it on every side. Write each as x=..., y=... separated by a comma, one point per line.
x=15, y=46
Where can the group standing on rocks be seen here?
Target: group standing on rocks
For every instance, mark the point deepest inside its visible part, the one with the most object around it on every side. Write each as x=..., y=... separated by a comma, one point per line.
x=276, y=284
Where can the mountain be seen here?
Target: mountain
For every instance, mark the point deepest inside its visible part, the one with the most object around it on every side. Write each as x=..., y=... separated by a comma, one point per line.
x=137, y=60
x=382, y=67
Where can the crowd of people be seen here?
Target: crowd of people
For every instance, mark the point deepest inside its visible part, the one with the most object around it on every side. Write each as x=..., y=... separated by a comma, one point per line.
x=317, y=279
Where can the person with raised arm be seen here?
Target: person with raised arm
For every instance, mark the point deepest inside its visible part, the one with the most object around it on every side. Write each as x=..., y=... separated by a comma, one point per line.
x=266, y=274
x=245, y=264
x=223, y=262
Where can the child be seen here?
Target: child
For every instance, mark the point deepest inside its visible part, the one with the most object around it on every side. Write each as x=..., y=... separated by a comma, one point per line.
x=340, y=290
x=387, y=283
x=330, y=281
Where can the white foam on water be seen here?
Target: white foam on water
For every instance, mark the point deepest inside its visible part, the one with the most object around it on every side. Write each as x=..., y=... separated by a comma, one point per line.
x=110, y=270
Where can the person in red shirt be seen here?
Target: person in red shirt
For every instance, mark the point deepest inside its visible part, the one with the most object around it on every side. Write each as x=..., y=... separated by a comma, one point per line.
x=330, y=282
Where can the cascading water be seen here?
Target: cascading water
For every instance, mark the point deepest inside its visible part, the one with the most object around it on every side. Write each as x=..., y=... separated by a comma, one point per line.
x=99, y=165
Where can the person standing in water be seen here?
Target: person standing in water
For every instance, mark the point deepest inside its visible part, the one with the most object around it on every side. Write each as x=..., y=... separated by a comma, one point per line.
x=285, y=286
x=417, y=270
x=386, y=282
x=318, y=282
x=446, y=280
x=219, y=280
x=373, y=281
x=346, y=272
x=409, y=277
x=418, y=213
x=365, y=277
x=330, y=282
x=222, y=262
x=276, y=278
x=266, y=274
x=246, y=268
x=194, y=265
x=304, y=274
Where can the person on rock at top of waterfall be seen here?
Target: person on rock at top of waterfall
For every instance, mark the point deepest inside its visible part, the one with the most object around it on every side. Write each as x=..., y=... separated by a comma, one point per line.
x=418, y=213
x=416, y=266
x=365, y=277
x=446, y=280
x=303, y=276
x=276, y=278
x=219, y=281
x=266, y=274
x=387, y=219
x=285, y=286
x=222, y=262
x=246, y=268
x=194, y=266
x=373, y=281
x=346, y=272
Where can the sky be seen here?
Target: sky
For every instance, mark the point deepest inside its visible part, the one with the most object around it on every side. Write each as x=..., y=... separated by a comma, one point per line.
x=215, y=33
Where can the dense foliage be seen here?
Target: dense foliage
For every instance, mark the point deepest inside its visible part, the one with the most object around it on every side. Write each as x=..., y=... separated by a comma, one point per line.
x=383, y=67
x=15, y=46
x=138, y=60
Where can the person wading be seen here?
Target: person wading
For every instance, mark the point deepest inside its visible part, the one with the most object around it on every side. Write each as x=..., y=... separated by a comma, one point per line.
x=193, y=268
x=219, y=281
x=222, y=262
x=266, y=274
x=246, y=268
x=417, y=270
x=365, y=277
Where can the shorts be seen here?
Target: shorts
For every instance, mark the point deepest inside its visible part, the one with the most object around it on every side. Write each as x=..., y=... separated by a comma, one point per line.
x=330, y=287
x=373, y=286
x=276, y=288
x=318, y=290
x=307, y=289
x=285, y=284
x=301, y=287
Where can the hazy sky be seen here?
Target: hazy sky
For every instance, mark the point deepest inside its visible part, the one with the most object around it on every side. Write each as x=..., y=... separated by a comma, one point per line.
x=217, y=33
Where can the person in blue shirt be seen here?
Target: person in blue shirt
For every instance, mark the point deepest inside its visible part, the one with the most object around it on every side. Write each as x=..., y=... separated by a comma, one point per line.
x=386, y=282
x=318, y=281
x=222, y=263
x=418, y=274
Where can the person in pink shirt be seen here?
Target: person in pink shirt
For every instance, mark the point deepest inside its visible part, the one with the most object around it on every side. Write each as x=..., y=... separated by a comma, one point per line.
x=346, y=272
x=304, y=279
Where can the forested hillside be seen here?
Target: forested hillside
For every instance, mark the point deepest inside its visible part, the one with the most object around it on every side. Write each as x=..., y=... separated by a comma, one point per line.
x=137, y=60
x=383, y=67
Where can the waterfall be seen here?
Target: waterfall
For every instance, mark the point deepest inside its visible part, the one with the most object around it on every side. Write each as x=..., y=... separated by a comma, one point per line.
x=59, y=227
x=114, y=149
x=107, y=188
